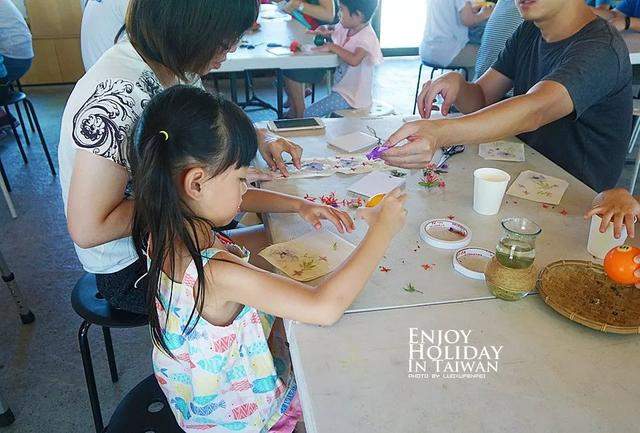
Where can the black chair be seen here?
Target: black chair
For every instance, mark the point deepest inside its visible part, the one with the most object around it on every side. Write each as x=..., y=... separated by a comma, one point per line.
x=14, y=98
x=144, y=410
x=435, y=68
x=89, y=304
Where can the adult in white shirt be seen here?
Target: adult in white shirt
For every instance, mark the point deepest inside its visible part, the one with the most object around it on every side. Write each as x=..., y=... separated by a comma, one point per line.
x=446, y=33
x=15, y=42
x=100, y=116
x=102, y=21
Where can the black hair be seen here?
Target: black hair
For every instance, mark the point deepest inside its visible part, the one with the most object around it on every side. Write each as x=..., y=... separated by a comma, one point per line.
x=181, y=127
x=366, y=7
x=185, y=35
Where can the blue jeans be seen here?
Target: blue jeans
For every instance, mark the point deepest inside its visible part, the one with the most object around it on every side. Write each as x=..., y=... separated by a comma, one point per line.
x=327, y=105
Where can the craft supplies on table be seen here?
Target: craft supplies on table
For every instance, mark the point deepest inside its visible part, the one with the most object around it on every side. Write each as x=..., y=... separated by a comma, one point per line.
x=502, y=151
x=472, y=262
x=310, y=256
x=377, y=182
x=353, y=142
x=539, y=187
x=445, y=234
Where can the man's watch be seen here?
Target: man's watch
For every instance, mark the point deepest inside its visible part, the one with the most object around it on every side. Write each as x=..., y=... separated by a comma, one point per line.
x=301, y=7
x=627, y=22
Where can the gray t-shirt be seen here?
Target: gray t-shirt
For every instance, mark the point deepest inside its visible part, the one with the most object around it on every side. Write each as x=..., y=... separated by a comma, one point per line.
x=593, y=65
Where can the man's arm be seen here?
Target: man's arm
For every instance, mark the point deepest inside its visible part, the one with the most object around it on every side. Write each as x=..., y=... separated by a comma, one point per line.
x=546, y=102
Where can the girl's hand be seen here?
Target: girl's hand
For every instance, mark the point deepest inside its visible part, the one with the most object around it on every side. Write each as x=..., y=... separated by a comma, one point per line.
x=322, y=30
x=390, y=214
x=617, y=206
x=314, y=213
x=326, y=48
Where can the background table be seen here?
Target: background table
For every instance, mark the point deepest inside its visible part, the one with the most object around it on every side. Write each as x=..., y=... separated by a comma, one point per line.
x=563, y=236
x=632, y=40
x=553, y=375
x=283, y=31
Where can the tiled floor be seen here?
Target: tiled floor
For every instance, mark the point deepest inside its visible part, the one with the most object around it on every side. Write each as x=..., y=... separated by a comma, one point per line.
x=41, y=374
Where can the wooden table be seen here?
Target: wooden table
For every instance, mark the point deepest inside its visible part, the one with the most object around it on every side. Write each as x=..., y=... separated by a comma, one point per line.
x=553, y=375
x=279, y=30
x=563, y=236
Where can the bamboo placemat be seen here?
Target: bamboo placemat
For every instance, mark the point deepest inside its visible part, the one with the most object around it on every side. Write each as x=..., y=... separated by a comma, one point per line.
x=582, y=292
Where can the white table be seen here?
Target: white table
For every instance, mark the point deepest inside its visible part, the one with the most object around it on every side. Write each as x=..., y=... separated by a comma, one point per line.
x=280, y=30
x=563, y=237
x=553, y=375
x=632, y=39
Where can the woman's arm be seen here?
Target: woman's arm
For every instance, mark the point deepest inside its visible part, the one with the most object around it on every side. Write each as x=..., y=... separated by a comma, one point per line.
x=324, y=305
x=324, y=11
x=471, y=17
x=97, y=210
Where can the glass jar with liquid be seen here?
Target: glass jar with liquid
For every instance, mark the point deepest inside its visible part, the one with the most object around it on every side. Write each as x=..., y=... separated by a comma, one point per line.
x=517, y=247
x=511, y=274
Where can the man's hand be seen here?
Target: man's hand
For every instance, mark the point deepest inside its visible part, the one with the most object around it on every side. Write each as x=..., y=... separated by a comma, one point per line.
x=448, y=86
x=423, y=140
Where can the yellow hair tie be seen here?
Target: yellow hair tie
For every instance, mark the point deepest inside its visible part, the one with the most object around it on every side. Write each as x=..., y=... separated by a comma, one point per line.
x=165, y=134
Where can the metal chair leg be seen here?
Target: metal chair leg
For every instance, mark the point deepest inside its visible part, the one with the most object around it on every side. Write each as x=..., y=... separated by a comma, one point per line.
x=111, y=358
x=4, y=176
x=41, y=135
x=26, y=108
x=89, y=376
x=22, y=125
x=415, y=100
x=6, y=416
x=17, y=137
x=634, y=135
x=26, y=316
x=636, y=170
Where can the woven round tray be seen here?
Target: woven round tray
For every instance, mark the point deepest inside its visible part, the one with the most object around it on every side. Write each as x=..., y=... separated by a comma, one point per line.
x=582, y=292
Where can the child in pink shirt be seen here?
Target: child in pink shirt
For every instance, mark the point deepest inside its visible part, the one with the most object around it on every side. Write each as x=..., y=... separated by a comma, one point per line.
x=358, y=48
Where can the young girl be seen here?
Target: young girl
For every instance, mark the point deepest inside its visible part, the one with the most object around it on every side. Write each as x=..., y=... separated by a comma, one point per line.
x=211, y=312
x=358, y=48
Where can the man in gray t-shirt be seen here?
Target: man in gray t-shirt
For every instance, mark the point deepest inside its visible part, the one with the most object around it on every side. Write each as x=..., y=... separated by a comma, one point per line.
x=571, y=76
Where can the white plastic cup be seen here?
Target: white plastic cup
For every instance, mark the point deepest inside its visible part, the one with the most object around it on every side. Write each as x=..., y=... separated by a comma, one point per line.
x=489, y=186
x=600, y=244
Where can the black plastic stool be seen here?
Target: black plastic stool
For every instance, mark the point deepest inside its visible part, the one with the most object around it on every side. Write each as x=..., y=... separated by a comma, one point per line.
x=144, y=410
x=94, y=309
x=435, y=68
x=14, y=99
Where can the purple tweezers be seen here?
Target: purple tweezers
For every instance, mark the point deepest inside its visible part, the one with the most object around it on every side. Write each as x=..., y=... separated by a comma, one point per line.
x=376, y=152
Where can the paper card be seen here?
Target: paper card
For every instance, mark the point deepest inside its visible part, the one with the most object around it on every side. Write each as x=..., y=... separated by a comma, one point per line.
x=353, y=142
x=311, y=167
x=309, y=257
x=502, y=151
x=279, y=51
x=378, y=182
x=538, y=187
x=322, y=167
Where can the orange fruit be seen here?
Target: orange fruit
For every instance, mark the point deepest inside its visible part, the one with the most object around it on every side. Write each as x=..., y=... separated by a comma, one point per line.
x=374, y=200
x=620, y=266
